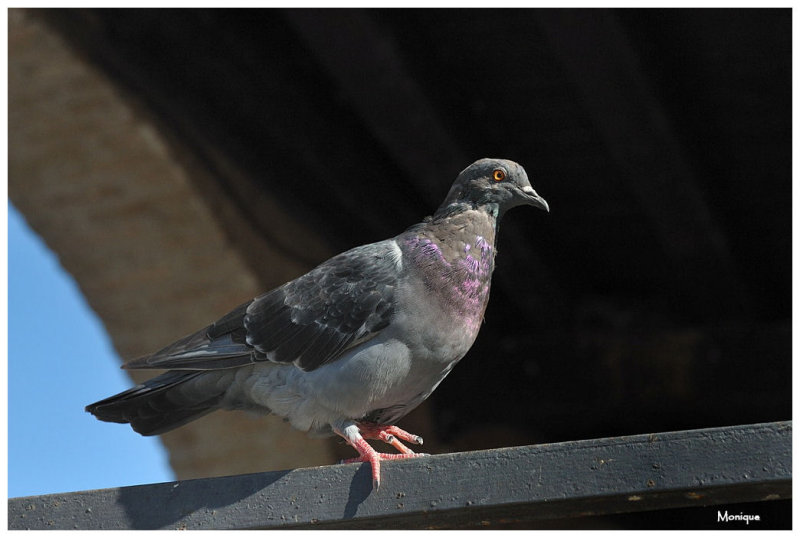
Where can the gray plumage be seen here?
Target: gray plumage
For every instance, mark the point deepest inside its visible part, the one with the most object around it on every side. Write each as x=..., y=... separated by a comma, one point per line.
x=363, y=338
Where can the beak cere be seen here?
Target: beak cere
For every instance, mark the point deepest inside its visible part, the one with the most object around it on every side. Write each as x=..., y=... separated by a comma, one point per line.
x=534, y=199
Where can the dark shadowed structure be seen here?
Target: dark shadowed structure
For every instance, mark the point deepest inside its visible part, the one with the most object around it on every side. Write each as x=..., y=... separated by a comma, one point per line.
x=655, y=296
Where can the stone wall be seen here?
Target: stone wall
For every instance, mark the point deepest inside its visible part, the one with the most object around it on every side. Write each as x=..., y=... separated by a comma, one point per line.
x=135, y=219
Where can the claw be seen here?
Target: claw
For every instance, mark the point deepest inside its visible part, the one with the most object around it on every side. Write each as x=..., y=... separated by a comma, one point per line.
x=388, y=434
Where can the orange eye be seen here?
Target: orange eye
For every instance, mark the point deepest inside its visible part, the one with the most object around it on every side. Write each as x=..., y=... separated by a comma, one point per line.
x=498, y=175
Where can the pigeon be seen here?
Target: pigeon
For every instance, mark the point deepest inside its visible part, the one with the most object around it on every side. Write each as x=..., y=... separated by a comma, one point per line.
x=355, y=344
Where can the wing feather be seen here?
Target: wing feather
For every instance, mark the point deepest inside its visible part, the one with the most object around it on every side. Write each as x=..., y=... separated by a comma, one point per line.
x=309, y=321
x=344, y=301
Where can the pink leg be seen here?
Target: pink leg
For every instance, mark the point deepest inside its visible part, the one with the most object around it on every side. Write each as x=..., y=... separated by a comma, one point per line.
x=389, y=435
x=355, y=435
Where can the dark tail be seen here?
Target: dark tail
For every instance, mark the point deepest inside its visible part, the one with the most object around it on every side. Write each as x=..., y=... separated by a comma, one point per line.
x=157, y=405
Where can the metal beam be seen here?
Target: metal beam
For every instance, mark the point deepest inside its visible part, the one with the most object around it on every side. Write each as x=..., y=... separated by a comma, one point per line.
x=577, y=478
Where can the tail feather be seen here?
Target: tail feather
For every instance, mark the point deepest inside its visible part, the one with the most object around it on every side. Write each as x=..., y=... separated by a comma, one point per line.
x=157, y=405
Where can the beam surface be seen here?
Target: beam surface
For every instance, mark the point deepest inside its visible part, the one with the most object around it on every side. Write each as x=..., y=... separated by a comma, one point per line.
x=593, y=477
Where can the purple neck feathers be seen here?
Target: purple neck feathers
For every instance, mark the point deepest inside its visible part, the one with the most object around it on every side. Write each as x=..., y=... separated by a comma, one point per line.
x=455, y=258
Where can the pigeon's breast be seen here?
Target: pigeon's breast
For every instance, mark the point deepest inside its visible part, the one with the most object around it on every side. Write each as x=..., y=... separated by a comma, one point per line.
x=455, y=280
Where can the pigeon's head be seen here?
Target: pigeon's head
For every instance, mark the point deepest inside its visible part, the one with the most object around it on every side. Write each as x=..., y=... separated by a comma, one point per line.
x=494, y=184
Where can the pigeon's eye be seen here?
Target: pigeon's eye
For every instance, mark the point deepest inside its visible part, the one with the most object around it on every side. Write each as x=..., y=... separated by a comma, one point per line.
x=499, y=175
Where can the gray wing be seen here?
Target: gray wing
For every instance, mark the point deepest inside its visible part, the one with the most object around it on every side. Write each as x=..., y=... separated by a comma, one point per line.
x=309, y=321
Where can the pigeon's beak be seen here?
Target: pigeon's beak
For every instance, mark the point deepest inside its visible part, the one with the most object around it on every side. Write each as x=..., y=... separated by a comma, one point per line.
x=532, y=198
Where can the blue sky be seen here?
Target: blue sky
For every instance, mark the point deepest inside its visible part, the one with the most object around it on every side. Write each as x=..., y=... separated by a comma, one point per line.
x=60, y=358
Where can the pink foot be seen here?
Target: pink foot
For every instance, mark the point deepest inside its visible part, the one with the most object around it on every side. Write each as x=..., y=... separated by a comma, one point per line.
x=388, y=434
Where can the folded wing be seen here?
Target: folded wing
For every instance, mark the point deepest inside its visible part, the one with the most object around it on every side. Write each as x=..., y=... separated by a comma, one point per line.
x=309, y=321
